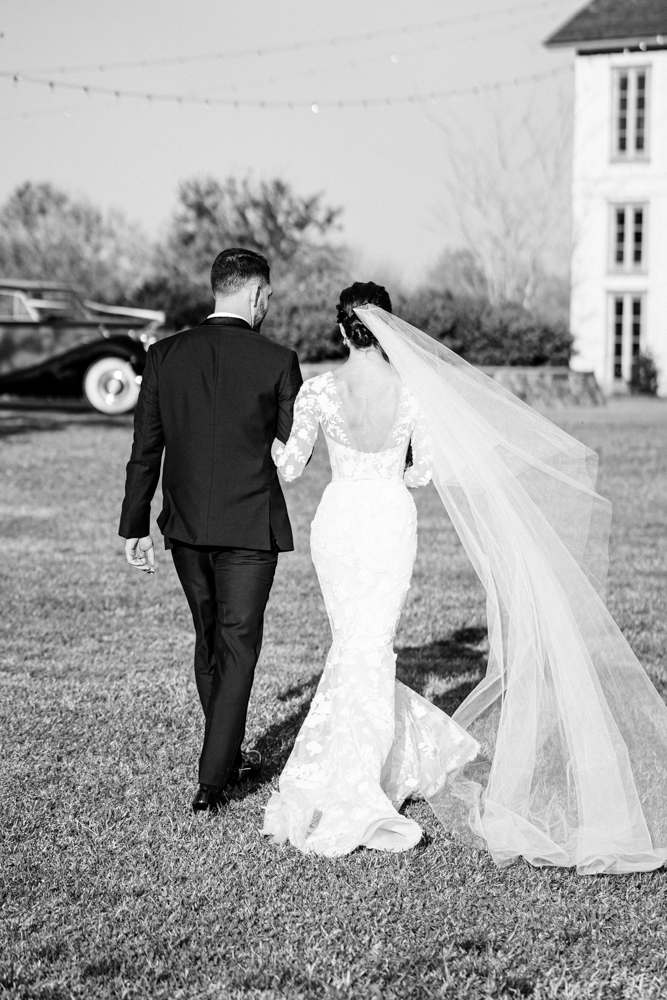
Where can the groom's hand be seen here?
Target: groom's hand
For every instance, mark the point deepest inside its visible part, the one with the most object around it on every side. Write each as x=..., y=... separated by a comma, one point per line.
x=140, y=553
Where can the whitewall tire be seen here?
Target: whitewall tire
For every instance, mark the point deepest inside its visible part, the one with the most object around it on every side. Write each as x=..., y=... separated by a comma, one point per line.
x=111, y=385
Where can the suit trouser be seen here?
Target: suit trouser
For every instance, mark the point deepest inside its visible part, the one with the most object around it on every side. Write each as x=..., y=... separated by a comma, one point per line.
x=227, y=590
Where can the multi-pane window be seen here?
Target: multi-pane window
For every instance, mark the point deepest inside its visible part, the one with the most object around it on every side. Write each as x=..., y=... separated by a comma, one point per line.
x=627, y=329
x=631, y=94
x=628, y=237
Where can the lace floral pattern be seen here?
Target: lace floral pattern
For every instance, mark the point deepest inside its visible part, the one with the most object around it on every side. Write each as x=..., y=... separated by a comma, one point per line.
x=318, y=404
x=368, y=742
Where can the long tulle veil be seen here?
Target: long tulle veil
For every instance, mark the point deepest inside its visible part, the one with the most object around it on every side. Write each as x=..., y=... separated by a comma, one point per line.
x=574, y=735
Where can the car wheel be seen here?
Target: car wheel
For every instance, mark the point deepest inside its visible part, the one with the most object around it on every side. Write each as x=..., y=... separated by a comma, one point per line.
x=111, y=385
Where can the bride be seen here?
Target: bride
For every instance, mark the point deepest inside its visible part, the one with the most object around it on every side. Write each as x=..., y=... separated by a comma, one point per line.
x=559, y=754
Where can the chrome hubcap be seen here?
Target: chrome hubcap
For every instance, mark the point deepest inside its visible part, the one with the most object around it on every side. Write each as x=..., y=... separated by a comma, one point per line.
x=113, y=385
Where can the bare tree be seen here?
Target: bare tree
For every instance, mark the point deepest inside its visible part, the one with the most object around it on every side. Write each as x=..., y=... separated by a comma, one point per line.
x=459, y=272
x=509, y=195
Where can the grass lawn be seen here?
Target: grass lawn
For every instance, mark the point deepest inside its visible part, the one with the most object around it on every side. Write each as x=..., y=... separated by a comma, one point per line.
x=112, y=888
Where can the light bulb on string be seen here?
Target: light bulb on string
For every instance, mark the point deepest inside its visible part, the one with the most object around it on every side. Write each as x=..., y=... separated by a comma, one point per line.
x=315, y=107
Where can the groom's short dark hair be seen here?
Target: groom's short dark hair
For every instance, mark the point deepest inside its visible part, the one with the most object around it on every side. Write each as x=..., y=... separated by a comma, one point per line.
x=234, y=268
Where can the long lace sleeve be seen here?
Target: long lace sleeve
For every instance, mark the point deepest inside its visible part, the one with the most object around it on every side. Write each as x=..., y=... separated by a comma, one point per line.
x=419, y=473
x=292, y=458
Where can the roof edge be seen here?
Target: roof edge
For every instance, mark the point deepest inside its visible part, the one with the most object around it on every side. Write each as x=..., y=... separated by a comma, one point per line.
x=641, y=42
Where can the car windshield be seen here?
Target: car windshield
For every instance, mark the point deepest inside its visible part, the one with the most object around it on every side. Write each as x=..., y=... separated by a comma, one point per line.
x=58, y=303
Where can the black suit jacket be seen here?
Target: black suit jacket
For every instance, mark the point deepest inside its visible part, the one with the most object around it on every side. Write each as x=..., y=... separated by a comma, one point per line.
x=213, y=399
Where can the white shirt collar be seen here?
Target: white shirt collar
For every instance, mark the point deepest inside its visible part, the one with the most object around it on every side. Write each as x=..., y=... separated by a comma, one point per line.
x=233, y=315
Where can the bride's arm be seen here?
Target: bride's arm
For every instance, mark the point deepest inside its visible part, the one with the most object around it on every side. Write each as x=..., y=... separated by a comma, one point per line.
x=420, y=472
x=292, y=458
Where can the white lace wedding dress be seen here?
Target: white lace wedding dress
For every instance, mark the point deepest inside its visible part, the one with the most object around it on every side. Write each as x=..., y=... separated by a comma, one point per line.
x=368, y=742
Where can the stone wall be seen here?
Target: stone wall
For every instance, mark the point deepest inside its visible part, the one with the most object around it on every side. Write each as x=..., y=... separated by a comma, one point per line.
x=544, y=386
x=549, y=386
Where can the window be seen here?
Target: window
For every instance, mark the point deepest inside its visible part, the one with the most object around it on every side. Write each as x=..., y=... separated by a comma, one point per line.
x=627, y=332
x=622, y=120
x=13, y=306
x=619, y=240
x=630, y=132
x=628, y=237
x=6, y=305
x=636, y=329
x=637, y=236
x=57, y=303
x=640, y=112
x=618, y=337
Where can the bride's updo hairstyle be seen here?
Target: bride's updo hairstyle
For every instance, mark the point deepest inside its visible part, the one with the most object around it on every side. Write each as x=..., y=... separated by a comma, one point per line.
x=361, y=293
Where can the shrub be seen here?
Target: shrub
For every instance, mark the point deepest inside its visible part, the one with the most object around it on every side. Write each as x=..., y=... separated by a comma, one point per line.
x=303, y=308
x=185, y=303
x=484, y=334
x=644, y=376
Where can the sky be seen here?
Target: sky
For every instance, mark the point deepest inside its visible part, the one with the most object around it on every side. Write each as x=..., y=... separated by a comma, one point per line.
x=388, y=166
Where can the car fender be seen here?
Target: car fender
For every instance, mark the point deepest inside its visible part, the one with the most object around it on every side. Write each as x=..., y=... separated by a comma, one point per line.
x=71, y=365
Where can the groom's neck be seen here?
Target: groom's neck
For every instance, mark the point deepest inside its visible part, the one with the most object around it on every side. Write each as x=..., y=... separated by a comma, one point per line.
x=237, y=304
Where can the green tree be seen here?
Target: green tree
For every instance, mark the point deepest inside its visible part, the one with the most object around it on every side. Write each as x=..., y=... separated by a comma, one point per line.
x=45, y=234
x=268, y=216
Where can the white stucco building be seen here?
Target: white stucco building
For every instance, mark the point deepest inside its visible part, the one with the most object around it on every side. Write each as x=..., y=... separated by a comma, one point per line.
x=619, y=187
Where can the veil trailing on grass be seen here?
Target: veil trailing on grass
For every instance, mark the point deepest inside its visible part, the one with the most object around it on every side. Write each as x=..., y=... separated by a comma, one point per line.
x=573, y=770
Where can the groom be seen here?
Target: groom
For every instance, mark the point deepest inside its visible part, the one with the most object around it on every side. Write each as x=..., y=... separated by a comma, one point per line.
x=213, y=399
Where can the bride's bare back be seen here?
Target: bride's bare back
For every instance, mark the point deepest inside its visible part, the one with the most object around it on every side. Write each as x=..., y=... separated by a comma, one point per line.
x=370, y=393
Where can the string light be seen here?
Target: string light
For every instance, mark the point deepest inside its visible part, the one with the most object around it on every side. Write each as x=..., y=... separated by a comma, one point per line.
x=364, y=61
x=363, y=102
x=300, y=46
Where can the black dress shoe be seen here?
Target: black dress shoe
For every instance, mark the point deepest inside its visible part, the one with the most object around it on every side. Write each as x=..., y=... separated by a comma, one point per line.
x=250, y=765
x=207, y=798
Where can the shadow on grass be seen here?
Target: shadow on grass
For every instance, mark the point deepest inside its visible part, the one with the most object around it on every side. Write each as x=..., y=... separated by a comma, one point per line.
x=12, y=428
x=451, y=661
x=59, y=404
x=451, y=666
x=275, y=744
x=15, y=424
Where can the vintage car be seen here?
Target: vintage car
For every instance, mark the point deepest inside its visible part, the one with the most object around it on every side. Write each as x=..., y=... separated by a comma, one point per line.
x=54, y=343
